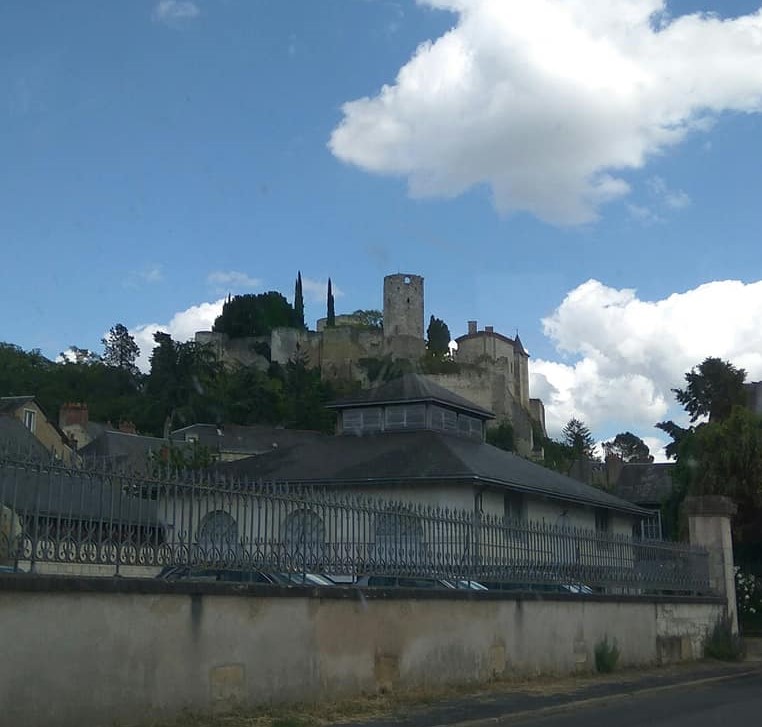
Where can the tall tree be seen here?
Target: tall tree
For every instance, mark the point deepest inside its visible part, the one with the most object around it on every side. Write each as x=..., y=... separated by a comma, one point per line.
x=299, y=301
x=370, y=318
x=629, y=447
x=714, y=387
x=120, y=349
x=578, y=438
x=438, y=337
x=255, y=315
x=502, y=436
x=331, y=313
x=77, y=355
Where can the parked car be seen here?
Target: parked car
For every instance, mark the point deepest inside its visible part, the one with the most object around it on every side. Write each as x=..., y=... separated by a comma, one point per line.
x=230, y=575
x=236, y=575
x=578, y=588
x=302, y=579
x=418, y=582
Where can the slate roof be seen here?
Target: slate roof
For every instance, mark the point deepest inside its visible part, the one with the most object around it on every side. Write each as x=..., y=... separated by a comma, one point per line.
x=415, y=456
x=252, y=439
x=9, y=404
x=120, y=448
x=72, y=495
x=411, y=388
x=17, y=439
x=645, y=484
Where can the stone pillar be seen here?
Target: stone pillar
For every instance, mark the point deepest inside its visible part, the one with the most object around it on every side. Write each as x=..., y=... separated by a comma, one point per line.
x=709, y=523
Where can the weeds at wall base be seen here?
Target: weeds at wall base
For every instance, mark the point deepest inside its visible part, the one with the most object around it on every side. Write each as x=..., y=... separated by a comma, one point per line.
x=606, y=656
x=722, y=644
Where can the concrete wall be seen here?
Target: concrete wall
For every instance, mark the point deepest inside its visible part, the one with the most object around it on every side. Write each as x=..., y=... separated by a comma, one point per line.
x=107, y=652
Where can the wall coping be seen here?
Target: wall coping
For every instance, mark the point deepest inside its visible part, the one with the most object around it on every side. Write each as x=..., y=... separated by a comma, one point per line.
x=42, y=583
x=710, y=506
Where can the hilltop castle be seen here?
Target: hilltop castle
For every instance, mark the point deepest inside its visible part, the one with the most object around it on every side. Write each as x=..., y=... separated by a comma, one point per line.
x=491, y=369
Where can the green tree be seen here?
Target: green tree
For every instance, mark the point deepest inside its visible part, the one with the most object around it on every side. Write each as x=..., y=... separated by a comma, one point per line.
x=120, y=349
x=721, y=456
x=369, y=318
x=256, y=315
x=331, y=307
x=629, y=447
x=438, y=337
x=183, y=383
x=501, y=436
x=578, y=438
x=557, y=455
x=299, y=301
x=714, y=388
x=77, y=355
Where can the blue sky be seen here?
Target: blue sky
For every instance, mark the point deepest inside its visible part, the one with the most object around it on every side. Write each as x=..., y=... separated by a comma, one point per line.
x=157, y=155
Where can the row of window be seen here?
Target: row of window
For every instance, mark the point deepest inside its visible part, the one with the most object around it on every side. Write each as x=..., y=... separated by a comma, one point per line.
x=409, y=416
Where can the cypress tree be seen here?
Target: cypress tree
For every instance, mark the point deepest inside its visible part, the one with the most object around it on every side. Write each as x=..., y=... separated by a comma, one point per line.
x=331, y=321
x=299, y=301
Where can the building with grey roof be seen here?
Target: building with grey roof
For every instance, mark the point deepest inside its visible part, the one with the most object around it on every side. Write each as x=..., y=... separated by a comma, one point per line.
x=411, y=440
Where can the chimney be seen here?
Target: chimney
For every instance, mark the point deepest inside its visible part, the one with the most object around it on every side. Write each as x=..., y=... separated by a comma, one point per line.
x=614, y=466
x=471, y=328
x=73, y=414
x=489, y=329
x=127, y=427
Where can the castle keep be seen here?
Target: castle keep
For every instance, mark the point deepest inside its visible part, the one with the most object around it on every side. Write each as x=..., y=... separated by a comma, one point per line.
x=492, y=369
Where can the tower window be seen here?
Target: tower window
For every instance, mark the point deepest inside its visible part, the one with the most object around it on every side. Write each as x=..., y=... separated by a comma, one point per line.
x=407, y=280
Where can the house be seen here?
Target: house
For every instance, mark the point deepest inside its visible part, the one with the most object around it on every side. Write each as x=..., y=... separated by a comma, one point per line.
x=230, y=442
x=412, y=441
x=647, y=485
x=64, y=517
x=26, y=410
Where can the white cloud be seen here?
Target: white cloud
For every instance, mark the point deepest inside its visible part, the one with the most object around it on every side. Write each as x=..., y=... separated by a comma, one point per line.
x=232, y=281
x=172, y=12
x=316, y=291
x=675, y=199
x=643, y=214
x=182, y=327
x=547, y=101
x=147, y=276
x=624, y=354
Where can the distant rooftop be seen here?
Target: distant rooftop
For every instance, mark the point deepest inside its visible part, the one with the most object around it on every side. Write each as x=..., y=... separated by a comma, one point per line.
x=411, y=388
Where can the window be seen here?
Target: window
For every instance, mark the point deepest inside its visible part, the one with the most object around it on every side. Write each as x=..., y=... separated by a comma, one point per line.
x=514, y=507
x=411, y=416
x=470, y=426
x=443, y=419
x=30, y=419
x=218, y=530
x=602, y=521
x=354, y=421
x=304, y=529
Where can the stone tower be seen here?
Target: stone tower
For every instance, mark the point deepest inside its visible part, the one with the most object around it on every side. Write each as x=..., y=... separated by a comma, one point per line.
x=403, y=306
x=403, y=317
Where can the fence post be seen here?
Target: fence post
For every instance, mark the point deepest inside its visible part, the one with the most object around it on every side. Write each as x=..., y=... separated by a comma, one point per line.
x=709, y=524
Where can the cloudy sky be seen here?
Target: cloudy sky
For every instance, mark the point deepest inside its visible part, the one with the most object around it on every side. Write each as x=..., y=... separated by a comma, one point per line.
x=583, y=171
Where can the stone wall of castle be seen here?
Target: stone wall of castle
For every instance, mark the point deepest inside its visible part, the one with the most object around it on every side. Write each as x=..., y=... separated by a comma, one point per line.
x=495, y=371
x=488, y=387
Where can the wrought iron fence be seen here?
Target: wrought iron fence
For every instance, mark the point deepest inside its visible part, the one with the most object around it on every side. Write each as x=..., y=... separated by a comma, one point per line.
x=56, y=514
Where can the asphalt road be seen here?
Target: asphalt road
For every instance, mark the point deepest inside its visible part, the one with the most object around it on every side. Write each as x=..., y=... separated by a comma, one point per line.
x=733, y=701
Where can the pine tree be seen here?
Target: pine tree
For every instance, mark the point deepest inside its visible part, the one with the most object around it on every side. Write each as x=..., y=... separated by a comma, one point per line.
x=120, y=349
x=579, y=439
x=331, y=320
x=299, y=301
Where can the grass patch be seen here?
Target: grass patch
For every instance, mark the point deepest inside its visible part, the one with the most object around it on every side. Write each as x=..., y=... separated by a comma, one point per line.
x=722, y=644
x=606, y=656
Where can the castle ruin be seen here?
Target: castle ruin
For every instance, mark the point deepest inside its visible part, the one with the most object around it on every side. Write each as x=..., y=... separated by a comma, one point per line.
x=491, y=369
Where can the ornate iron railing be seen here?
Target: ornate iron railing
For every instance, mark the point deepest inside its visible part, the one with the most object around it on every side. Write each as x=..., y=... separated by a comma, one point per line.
x=56, y=514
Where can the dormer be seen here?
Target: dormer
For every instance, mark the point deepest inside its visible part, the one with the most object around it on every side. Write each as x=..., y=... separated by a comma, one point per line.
x=410, y=403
